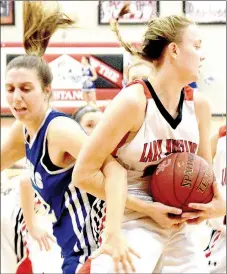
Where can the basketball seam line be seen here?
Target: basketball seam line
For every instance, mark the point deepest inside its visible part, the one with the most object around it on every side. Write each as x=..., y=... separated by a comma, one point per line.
x=210, y=191
x=174, y=189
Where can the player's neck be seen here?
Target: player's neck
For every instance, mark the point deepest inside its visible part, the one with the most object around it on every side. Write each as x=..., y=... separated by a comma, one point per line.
x=167, y=84
x=34, y=125
x=168, y=90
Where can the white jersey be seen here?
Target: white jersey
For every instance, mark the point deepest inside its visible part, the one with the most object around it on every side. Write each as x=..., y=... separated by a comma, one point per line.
x=220, y=158
x=216, y=250
x=219, y=167
x=160, y=248
x=159, y=136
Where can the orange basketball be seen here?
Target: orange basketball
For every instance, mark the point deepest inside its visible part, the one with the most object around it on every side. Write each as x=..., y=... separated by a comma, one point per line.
x=182, y=178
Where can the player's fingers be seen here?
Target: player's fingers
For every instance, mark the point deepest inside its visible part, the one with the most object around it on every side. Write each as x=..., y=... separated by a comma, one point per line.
x=116, y=260
x=199, y=206
x=191, y=215
x=129, y=259
x=131, y=250
x=124, y=263
x=195, y=221
x=40, y=244
x=51, y=237
x=98, y=252
x=177, y=219
x=45, y=243
x=173, y=210
x=179, y=225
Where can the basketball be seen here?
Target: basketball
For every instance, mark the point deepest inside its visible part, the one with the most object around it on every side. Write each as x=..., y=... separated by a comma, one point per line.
x=182, y=178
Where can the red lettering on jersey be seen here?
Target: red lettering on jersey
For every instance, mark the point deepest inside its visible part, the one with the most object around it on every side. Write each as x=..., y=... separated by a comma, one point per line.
x=150, y=152
x=186, y=147
x=157, y=150
x=143, y=159
x=168, y=146
x=180, y=146
x=172, y=146
x=223, y=181
x=192, y=147
x=154, y=152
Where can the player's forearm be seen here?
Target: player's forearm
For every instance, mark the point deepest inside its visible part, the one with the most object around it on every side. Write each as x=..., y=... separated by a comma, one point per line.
x=27, y=202
x=116, y=193
x=95, y=185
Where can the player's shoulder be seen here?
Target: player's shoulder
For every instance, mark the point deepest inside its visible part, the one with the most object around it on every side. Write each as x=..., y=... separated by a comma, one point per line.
x=61, y=126
x=134, y=92
x=17, y=131
x=202, y=104
x=200, y=98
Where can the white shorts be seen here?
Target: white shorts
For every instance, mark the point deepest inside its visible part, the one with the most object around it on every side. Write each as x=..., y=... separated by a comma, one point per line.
x=161, y=250
x=216, y=252
x=12, y=247
x=13, y=251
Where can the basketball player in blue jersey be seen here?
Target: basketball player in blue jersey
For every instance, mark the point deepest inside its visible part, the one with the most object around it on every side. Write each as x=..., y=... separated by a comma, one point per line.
x=89, y=77
x=144, y=123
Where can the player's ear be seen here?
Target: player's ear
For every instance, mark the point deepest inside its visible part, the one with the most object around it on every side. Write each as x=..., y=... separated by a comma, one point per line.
x=48, y=91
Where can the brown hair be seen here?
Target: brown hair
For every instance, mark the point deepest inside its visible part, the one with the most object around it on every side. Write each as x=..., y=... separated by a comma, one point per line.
x=160, y=33
x=39, y=25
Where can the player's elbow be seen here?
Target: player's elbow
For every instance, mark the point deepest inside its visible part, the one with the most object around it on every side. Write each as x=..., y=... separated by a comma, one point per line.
x=80, y=178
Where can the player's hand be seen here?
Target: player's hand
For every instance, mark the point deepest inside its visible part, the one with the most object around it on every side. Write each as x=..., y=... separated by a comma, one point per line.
x=115, y=245
x=165, y=216
x=42, y=237
x=216, y=208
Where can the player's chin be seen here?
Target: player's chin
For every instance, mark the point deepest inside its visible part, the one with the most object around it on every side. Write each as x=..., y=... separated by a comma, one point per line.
x=195, y=77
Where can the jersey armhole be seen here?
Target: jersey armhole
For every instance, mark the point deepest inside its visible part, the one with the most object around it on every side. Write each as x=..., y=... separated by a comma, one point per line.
x=145, y=88
x=222, y=131
x=188, y=93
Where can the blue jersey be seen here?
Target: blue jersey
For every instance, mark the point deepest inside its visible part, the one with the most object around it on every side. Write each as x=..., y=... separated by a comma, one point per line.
x=70, y=206
x=87, y=83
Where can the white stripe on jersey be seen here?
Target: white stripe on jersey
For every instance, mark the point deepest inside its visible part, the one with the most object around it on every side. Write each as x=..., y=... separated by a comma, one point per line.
x=87, y=208
x=73, y=217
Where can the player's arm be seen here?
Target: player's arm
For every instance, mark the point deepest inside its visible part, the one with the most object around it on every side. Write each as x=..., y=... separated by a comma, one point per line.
x=13, y=148
x=214, y=142
x=203, y=114
x=104, y=139
x=27, y=201
x=217, y=207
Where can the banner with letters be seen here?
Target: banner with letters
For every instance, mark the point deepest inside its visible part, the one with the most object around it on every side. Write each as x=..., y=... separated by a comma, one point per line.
x=65, y=63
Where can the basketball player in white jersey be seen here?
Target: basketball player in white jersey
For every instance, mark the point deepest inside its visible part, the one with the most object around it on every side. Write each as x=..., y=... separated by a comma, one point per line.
x=216, y=251
x=145, y=122
x=12, y=249
x=19, y=253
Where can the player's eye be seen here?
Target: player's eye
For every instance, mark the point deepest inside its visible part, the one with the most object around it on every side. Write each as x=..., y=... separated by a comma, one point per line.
x=26, y=89
x=10, y=89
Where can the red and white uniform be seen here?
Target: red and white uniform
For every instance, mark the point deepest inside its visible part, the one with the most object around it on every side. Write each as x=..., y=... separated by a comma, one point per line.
x=216, y=251
x=162, y=250
x=20, y=254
